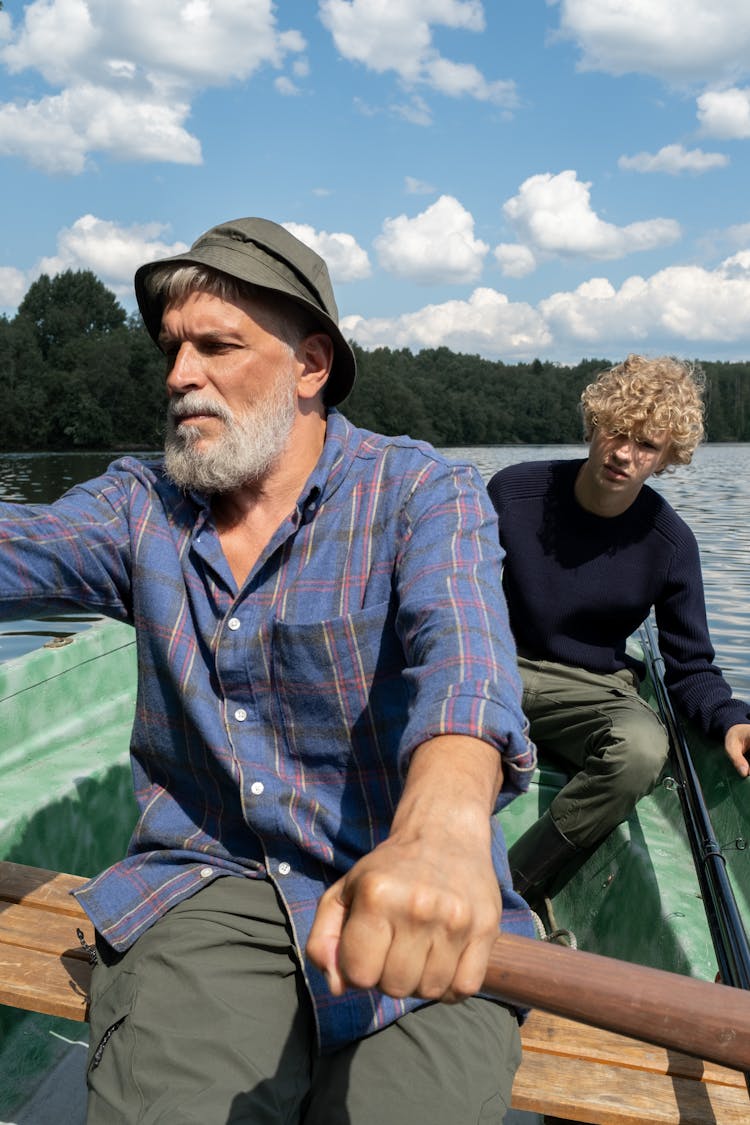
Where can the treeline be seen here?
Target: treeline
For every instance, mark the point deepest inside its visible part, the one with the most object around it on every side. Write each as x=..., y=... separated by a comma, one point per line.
x=78, y=372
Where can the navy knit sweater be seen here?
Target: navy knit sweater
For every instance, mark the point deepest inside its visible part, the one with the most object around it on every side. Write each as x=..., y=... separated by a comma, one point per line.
x=578, y=585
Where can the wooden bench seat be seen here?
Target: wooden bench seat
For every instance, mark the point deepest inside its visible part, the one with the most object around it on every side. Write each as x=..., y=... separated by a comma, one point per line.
x=569, y=1071
x=43, y=966
x=579, y=1073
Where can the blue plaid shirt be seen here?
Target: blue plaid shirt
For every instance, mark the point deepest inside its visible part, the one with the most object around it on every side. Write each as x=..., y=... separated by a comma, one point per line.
x=274, y=723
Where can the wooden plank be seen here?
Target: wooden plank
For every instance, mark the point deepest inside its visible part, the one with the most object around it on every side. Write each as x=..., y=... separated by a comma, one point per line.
x=570, y=1070
x=43, y=967
x=557, y=1036
x=43, y=982
x=37, y=886
x=44, y=930
x=600, y=1094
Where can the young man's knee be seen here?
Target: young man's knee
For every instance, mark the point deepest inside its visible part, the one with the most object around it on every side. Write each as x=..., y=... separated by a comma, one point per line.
x=642, y=765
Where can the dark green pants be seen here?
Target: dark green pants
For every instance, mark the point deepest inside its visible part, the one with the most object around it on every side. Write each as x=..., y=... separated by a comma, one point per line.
x=206, y=1021
x=600, y=725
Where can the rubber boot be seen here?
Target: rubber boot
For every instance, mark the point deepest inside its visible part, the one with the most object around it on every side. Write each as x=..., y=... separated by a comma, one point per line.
x=538, y=857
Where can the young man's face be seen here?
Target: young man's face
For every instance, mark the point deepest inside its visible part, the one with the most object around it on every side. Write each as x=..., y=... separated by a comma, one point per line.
x=619, y=465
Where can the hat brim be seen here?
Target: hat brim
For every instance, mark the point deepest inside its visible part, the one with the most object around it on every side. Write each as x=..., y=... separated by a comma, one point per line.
x=251, y=264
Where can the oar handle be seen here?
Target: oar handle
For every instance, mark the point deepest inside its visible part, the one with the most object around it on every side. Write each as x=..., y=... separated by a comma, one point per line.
x=710, y=1021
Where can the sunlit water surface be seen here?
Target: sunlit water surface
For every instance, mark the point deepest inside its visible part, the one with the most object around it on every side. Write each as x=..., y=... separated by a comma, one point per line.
x=712, y=494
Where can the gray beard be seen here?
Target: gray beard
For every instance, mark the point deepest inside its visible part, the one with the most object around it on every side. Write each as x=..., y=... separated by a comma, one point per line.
x=244, y=452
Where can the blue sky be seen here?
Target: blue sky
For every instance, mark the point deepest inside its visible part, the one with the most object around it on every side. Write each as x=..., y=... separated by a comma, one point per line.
x=511, y=178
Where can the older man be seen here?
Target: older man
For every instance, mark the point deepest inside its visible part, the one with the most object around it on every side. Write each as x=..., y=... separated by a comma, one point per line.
x=328, y=714
x=590, y=549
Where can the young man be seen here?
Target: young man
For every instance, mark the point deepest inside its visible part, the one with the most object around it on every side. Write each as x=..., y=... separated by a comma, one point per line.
x=328, y=713
x=590, y=549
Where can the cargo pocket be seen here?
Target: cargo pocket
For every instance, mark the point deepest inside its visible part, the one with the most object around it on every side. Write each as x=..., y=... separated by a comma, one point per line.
x=109, y=1032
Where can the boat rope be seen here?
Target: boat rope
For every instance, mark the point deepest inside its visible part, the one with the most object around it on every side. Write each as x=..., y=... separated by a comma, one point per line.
x=558, y=935
x=89, y=950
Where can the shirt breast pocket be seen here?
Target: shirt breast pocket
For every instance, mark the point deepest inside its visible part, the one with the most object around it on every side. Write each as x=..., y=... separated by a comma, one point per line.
x=341, y=689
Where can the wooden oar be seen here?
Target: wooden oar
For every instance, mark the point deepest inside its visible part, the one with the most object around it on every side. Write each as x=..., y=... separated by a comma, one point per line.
x=42, y=970
x=709, y=1021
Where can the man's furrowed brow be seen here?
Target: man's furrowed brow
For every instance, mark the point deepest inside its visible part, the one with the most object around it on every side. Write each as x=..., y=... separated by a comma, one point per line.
x=198, y=336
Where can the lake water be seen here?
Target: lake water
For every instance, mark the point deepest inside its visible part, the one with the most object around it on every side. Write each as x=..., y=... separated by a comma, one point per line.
x=712, y=494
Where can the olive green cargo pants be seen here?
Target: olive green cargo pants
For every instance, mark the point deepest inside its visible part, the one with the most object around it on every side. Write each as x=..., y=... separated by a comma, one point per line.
x=206, y=1021
x=600, y=725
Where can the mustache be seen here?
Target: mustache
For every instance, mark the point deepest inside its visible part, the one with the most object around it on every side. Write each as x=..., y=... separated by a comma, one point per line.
x=193, y=403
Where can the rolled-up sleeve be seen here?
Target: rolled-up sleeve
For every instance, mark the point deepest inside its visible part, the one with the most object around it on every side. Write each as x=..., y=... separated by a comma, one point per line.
x=453, y=621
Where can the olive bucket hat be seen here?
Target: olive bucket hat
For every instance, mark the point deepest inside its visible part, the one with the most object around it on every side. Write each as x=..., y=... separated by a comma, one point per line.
x=264, y=253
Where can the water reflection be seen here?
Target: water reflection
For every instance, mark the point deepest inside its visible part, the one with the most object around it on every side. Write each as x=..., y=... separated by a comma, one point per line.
x=38, y=478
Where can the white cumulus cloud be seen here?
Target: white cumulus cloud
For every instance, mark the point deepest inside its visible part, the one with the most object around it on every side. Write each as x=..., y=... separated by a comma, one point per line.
x=739, y=234
x=285, y=86
x=397, y=35
x=202, y=42
x=487, y=323
x=125, y=74
x=515, y=259
x=725, y=113
x=680, y=310
x=687, y=305
x=13, y=285
x=84, y=119
x=414, y=186
x=345, y=258
x=416, y=111
x=438, y=245
x=675, y=40
x=674, y=160
x=111, y=251
x=552, y=215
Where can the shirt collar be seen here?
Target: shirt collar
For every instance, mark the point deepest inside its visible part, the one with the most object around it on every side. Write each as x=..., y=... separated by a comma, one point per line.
x=339, y=450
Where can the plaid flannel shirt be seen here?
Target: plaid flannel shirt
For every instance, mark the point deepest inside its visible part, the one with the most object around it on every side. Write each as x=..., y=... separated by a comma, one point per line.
x=274, y=723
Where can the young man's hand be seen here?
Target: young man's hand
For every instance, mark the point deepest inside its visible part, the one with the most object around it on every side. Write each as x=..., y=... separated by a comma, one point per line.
x=737, y=746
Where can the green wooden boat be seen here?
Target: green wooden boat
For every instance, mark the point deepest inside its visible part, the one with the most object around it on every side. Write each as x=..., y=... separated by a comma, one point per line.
x=66, y=804
x=66, y=800
x=639, y=897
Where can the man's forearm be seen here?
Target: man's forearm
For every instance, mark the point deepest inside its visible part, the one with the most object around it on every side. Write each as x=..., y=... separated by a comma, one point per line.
x=453, y=780
x=419, y=914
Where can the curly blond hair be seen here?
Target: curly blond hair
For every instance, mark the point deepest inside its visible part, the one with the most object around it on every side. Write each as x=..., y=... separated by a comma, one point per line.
x=642, y=396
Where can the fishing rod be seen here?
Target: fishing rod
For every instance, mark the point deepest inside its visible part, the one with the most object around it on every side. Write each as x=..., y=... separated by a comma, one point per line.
x=722, y=913
x=725, y=922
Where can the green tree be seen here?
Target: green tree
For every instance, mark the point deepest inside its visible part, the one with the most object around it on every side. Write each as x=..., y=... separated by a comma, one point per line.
x=24, y=421
x=83, y=374
x=67, y=307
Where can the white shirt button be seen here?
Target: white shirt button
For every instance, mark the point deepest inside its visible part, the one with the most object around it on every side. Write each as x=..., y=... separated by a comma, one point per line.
x=284, y=868
x=257, y=788
x=234, y=623
x=206, y=872
x=240, y=714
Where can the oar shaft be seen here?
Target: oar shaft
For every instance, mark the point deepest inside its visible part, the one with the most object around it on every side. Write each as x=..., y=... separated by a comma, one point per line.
x=730, y=940
x=709, y=1021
